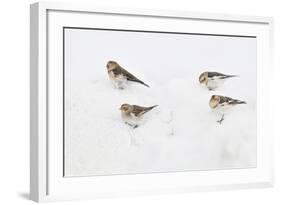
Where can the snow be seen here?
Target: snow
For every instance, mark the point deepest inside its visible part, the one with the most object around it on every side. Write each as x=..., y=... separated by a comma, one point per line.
x=181, y=134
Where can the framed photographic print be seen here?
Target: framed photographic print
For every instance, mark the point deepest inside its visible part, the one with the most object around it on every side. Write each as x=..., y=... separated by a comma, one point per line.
x=130, y=102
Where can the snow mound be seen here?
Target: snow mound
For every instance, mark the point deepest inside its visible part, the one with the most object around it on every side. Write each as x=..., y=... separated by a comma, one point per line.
x=181, y=134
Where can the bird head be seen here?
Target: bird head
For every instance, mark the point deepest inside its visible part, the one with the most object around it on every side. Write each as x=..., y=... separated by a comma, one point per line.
x=126, y=108
x=111, y=65
x=214, y=101
x=203, y=78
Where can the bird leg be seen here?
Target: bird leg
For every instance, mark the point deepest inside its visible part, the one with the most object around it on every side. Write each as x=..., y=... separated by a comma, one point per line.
x=131, y=125
x=222, y=119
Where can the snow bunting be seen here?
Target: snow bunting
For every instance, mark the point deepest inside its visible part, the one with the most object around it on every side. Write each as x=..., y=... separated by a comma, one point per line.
x=132, y=114
x=213, y=79
x=120, y=76
x=219, y=102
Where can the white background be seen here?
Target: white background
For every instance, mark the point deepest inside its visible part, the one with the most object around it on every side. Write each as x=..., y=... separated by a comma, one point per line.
x=182, y=133
x=14, y=104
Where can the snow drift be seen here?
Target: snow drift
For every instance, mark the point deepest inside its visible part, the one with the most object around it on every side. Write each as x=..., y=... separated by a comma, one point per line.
x=181, y=134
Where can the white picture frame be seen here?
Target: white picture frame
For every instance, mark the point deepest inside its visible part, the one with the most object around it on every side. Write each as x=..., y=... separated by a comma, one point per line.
x=46, y=155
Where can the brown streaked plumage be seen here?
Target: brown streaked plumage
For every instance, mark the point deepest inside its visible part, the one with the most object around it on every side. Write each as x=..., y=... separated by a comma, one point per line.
x=119, y=75
x=222, y=101
x=132, y=114
x=135, y=110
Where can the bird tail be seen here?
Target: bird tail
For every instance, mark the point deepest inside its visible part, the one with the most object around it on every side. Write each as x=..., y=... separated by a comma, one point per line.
x=231, y=76
x=139, y=81
x=150, y=108
x=145, y=84
x=239, y=102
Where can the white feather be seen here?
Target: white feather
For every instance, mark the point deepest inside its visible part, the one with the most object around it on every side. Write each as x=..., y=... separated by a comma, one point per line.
x=215, y=83
x=118, y=81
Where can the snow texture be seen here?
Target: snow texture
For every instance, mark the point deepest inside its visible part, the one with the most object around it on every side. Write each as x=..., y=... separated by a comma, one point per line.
x=182, y=133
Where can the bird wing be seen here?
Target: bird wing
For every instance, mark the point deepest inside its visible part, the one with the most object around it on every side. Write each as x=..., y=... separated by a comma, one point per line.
x=230, y=101
x=139, y=110
x=117, y=71
x=215, y=75
x=128, y=75
x=224, y=99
